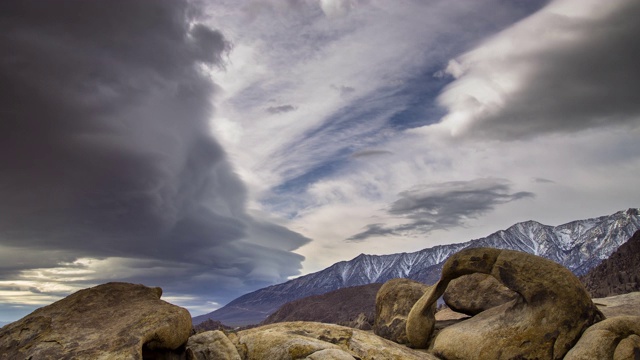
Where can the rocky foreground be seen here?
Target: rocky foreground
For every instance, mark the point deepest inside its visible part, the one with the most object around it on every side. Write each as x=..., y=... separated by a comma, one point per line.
x=520, y=306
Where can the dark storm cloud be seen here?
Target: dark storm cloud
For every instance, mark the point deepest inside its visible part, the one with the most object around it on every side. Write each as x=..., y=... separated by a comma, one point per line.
x=281, y=109
x=591, y=80
x=444, y=205
x=105, y=148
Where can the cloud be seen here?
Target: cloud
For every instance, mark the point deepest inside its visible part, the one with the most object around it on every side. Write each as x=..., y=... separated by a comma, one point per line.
x=369, y=153
x=333, y=8
x=572, y=66
x=443, y=205
x=542, y=181
x=281, y=109
x=343, y=89
x=106, y=155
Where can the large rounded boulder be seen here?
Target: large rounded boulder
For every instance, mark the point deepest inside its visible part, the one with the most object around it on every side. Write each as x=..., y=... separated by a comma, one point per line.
x=616, y=338
x=110, y=321
x=213, y=344
x=487, y=292
x=544, y=321
x=393, y=304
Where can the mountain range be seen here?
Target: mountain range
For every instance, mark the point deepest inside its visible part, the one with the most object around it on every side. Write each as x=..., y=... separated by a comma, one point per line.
x=619, y=274
x=578, y=245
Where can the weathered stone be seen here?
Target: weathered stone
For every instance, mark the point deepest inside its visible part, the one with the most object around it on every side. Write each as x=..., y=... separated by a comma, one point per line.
x=393, y=304
x=544, y=322
x=620, y=305
x=615, y=338
x=447, y=314
x=110, y=321
x=475, y=293
x=330, y=354
x=361, y=322
x=211, y=345
x=301, y=339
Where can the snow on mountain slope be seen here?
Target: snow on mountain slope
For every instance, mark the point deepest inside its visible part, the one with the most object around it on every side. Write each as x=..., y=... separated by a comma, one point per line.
x=579, y=245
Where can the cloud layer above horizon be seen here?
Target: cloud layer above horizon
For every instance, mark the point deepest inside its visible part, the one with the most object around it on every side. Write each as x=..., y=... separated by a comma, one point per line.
x=213, y=148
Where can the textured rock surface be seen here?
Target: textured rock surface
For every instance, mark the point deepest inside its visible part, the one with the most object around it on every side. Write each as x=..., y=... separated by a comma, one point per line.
x=361, y=322
x=209, y=325
x=619, y=305
x=475, y=293
x=211, y=345
x=448, y=314
x=544, y=322
x=393, y=304
x=299, y=340
x=615, y=338
x=110, y=321
x=330, y=354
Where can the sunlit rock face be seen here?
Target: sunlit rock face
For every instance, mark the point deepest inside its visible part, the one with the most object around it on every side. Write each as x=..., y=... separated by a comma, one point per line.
x=311, y=340
x=487, y=292
x=615, y=338
x=110, y=321
x=544, y=321
x=212, y=344
x=393, y=304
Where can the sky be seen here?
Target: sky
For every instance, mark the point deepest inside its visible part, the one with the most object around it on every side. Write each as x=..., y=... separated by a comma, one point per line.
x=216, y=147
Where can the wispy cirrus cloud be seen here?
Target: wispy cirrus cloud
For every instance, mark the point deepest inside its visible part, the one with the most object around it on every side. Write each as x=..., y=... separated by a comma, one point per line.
x=314, y=59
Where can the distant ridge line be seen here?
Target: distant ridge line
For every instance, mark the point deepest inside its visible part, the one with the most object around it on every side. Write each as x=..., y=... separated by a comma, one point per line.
x=578, y=245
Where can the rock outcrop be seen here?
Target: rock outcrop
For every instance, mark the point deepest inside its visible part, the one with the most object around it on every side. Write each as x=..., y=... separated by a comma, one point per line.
x=620, y=305
x=547, y=315
x=361, y=322
x=309, y=340
x=475, y=293
x=110, y=321
x=210, y=345
x=209, y=325
x=547, y=318
x=616, y=338
x=393, y=304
